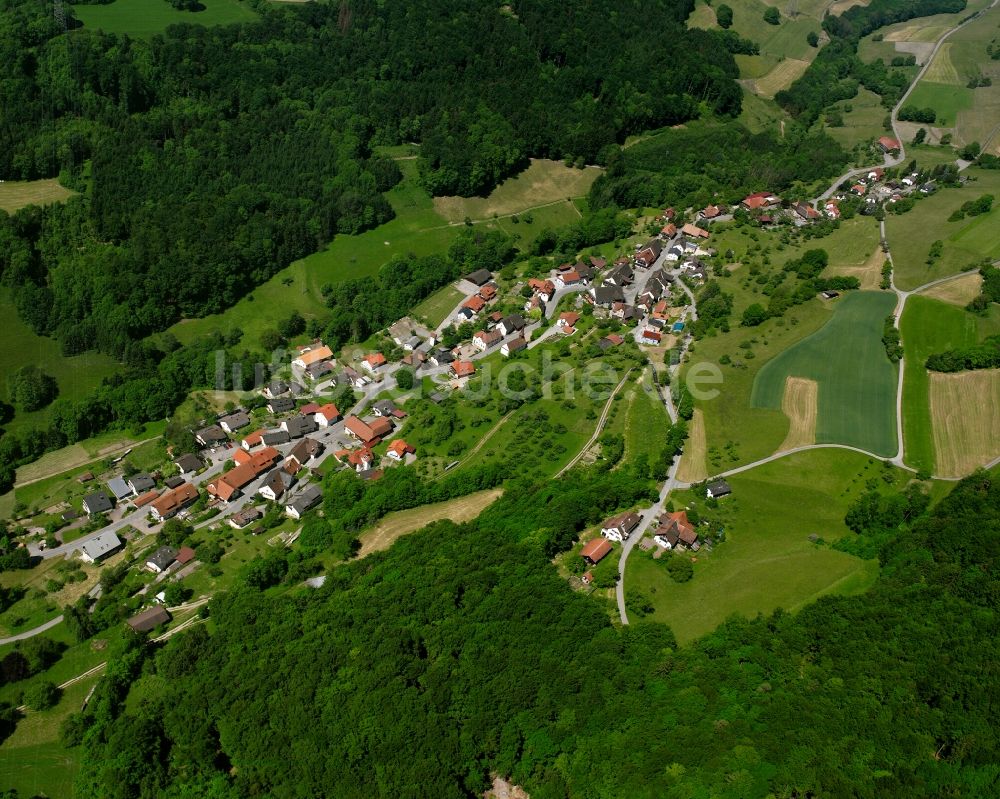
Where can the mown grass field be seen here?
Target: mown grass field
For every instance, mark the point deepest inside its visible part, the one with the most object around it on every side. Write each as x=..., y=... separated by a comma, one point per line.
x=929, y=326
x=15, y=194
x=964, y=242
x=767, y=561
x=646, y=420
x=965, y=410
x=857, y=382
x=946, y=99
x=77, y=376
x=435, y=309
x=145, y=18
x=544, y=181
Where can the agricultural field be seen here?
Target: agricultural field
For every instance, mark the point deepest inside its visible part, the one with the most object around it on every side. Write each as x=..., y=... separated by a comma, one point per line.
x=145, y=18
x=857, y=382
x=946, y=99
x=77, y=376
x=767, y=560
x=965, y=410
x=929, y=326
x=542, y=183
x=15, y=194
x=399, y=523
x=960, y=291
x=964, y=242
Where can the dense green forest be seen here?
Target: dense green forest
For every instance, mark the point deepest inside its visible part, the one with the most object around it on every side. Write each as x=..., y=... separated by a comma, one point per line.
x=462, y=648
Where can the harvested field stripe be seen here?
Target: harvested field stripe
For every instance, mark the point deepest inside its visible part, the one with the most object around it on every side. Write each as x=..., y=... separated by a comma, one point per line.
x=960, y=291
x=800, y=404
x=693, y=468
x=965, y=413
x=398, y=524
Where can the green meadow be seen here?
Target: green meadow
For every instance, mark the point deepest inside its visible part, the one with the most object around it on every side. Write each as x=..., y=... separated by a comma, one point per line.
x=767, y=560
x=145, y=18
x=929, y=326
x=946, y=99
x=857, y=382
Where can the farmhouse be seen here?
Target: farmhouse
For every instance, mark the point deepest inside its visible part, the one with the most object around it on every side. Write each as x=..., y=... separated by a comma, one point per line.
x=710, y=212
x=568, y=319
x=595, y=550
x=604, y=296
x=149, y=619
x=463, y=368
x=474, y=304
x=275, y=389
x=319, y=369
x=358, y=459
x=675, y=528
x=488, y=292
x=568, y=279
x=647, y=256
x=718, y=488
x=480, y=277
x=98, y=502
x=759, y=200
x=100, y=547
x=887, y=144
x=651, y=337
x=313, y=353
x=542, y=288
x=620, y=527
x=172, y=501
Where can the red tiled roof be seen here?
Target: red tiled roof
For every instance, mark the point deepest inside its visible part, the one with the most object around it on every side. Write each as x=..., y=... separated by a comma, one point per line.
x=329, y=412
x=463, y=368
x=475, y=302
x=596, y=549
x=400, y=448
x=375, y=359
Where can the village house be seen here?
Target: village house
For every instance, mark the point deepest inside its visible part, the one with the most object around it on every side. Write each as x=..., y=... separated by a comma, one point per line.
x=710, y=212
x=694, y=231
x=299, y=426
x=303, y=452
x=275, y=389
x=170, y=502
x=622, y=275
x=281, y=405
x=544, y=289
x=674, y=254
x=326, y=415
x=143, y=500
x=119, y=488
x=488, y=292
x=806, y=211
x=623, y=311
x=253, y=440
x=244, y=517
x=647, y=256
x=188, y=463
x=668, y=231
x=674, y=529
x=100, y=547
x=462, y=369
x=566, y=279
x=373, y=362
x=306, y=499
x=272, y=438
x=249, y=467
x=312, y=353
x=275, y=484
x=98, y=502
x=760, y=200
x=620, y=527
x=474, y=305
x=718, y=488
x=160, y=560
x=399, y=449
x=568, y=319
x=210, y=436
x=234, y=421
x=514, y=323
x=368, y=434
x=595, y=550
x=149, y=619
x=486, y=339
x=352, y=378
x=140, y=483
x=319, y=369
x=605, y=296
x=442, y=357
x=512, y=346
x=651, y=337
x=613, y=340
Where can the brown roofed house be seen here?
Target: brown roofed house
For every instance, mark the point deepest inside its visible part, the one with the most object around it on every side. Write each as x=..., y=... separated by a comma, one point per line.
x=596, y=550
x=149, y=619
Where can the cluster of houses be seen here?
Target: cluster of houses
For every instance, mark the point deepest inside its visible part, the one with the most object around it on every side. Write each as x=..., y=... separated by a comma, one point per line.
x=140, y=492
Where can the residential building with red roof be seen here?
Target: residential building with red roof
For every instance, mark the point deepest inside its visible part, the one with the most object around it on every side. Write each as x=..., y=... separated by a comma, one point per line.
x=326, y=415
x=463, y=368
x=399, y=449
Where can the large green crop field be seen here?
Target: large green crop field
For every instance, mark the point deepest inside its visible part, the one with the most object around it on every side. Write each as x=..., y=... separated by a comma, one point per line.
x=964, y=242
x=767, y=561
x=929, y=326
x=144, y=18
x=857, y=382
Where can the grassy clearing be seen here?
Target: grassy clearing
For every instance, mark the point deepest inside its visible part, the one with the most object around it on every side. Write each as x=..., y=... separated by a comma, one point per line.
x=965, y=410
x=767, y=560
x=435, y=309
x=784, y=74
x=857, y=383
x=964, y=242
x=398, y=524
x=759, y=114
x=786, y=40
x=800, y=404
x=942, y=68
x=77, y=376
x=16, y=194
x=946, y=99
x=544, y=181
x=862, y=116
x=32, y=760
x=145, y=18
x=645, y=422
x=929, y=326
x=960, y=291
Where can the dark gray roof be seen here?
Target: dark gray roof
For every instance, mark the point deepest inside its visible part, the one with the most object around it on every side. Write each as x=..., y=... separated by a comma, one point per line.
x=173, y=482
x=141, y=482
x=149, y=619
x=281, y=405
x=719, y=488
x=480, y=277
x=213, y=434
x=384, y=407
x=605, y=295
x=98, y=502
x=274, y=437
x=513, y=322
x=306, y=499
x=188, y=463
x=235, y=421
x=163, y=557
x=298, y=426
